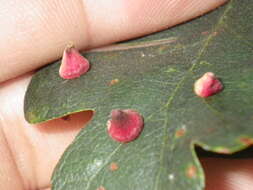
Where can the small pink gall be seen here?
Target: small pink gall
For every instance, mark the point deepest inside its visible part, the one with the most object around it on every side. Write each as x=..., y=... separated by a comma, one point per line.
x=125, y=125
x=73, y=64
x=207, y=85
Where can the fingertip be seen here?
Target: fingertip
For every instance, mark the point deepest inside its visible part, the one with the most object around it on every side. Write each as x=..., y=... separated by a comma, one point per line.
x=228, y=174
x=36, y=32
x=121, y=20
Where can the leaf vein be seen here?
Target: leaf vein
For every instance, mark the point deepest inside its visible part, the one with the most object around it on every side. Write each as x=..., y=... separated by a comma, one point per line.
x=180, y=83
x=102, y=166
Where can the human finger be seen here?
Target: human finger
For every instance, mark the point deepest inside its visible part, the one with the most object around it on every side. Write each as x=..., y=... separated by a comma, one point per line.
x=228, y=174
x=35, y=32
x=29, y=153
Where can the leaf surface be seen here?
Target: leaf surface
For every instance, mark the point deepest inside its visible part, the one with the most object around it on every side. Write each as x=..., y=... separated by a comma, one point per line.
x=155, y=76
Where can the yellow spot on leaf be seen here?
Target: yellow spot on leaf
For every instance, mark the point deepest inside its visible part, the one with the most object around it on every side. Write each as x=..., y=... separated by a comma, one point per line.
x=171, y=70
x=222, y=150
x=31, y=117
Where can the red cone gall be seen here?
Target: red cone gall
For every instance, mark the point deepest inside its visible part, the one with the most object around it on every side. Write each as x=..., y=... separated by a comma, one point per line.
x=125, y=125
x=207, y=85
x=73, y=64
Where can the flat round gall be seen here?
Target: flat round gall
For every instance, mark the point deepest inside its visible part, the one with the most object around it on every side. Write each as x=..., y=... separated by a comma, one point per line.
x=125, y=125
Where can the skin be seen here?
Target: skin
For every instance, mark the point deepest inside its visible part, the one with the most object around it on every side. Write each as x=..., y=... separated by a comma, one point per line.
x=32, y=35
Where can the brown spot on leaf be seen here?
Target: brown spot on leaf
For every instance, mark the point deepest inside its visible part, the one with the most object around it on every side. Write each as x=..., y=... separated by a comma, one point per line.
x=113, y=82
x=211, y=130
x=101, y=188
x=191, y=171
x=205, y=33
x=114, y=166
x=66, y=118
x=180, y=132
x=246, y=141
x=214, y=33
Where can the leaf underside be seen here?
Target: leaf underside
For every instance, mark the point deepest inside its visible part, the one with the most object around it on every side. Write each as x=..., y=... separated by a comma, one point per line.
x=155, y=76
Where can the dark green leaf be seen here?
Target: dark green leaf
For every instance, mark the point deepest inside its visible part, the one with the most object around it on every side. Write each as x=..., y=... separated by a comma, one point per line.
x=156, y=76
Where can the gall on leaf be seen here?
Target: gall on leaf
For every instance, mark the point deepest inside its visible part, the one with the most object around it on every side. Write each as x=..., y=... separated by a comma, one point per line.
x=125, y=125
x=207, y=85
x=73, y=64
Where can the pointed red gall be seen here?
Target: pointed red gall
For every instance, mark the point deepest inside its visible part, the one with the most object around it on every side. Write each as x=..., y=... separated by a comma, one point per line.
x=125, y=125
x=73, y=64
x=207, y=85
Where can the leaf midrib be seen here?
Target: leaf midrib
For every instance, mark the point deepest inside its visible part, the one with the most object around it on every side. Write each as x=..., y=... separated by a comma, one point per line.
x=179, y=85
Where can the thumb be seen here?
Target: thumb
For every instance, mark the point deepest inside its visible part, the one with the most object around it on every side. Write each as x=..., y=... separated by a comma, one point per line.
x=35, y=32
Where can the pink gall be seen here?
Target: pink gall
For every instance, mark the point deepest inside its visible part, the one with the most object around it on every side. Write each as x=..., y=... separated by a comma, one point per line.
x=207, y=85
x=73, y=64
x=125, y=125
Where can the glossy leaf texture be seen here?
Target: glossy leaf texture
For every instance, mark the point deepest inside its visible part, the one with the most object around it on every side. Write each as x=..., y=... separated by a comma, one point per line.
x=155, y=75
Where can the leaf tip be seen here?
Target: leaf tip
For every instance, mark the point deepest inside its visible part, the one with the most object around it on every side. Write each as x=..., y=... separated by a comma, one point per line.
x=31, y=117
